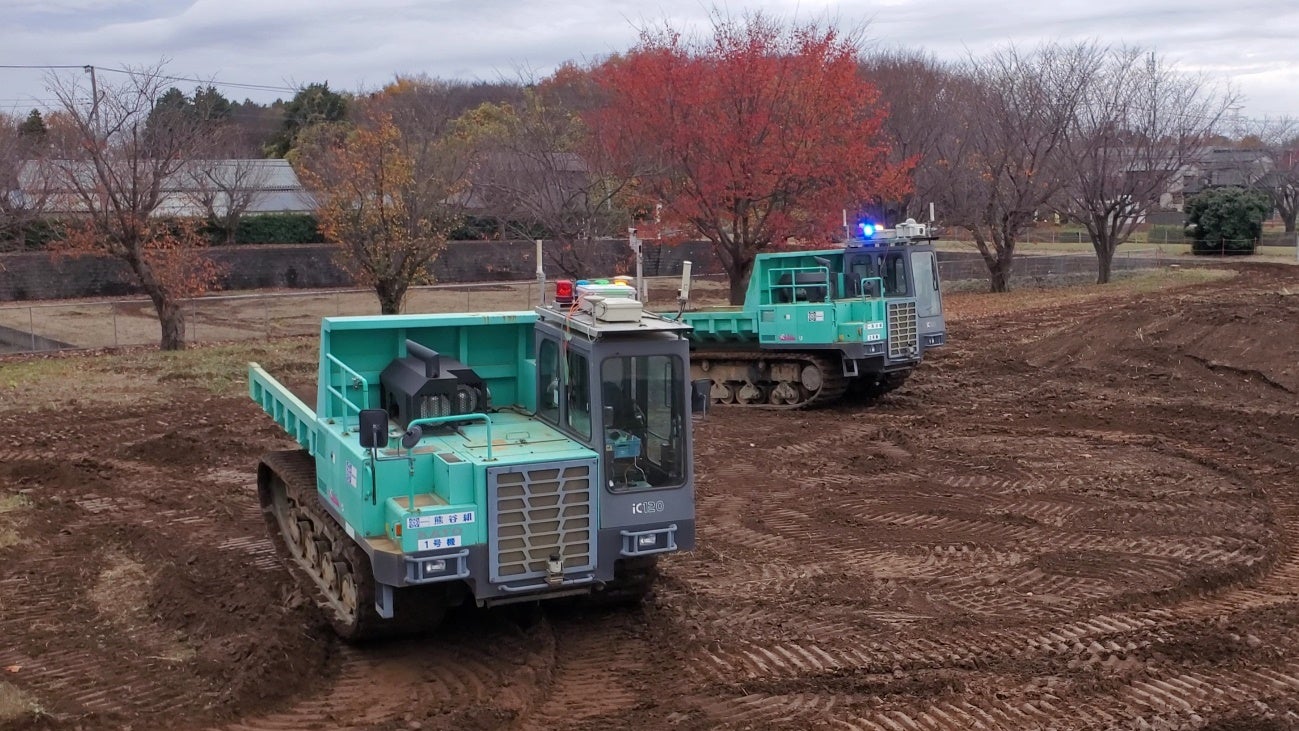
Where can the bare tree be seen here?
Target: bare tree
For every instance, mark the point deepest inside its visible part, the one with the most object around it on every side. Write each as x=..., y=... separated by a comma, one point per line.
x=1278, y=141
x=424, y=111
x=998, y=163
x=916, y=88
x=226, y=189
x=543, y=174
x=119, y=179
x=1139, y=127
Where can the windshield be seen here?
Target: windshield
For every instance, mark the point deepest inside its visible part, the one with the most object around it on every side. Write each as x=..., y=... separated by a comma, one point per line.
x=644, y=421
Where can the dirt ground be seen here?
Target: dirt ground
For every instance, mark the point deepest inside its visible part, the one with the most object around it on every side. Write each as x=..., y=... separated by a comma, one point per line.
x=1078, y=517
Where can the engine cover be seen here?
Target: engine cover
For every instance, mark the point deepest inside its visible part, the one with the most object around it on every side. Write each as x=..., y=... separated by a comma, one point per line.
x=424, y=384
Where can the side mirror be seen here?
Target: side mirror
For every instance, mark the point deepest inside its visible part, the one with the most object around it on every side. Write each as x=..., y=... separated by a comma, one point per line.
x=373, y=430
x=412, y=437
x=700, y=395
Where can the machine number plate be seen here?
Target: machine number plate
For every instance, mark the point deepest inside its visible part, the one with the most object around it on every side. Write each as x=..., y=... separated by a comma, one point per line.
x=437, y=521
x=429, y=544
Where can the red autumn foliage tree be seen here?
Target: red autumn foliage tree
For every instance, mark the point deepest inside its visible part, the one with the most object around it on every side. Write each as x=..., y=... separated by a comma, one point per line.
x=762, y=132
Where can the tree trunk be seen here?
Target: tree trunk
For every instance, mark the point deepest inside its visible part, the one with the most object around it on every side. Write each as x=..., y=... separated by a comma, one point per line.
x=1104, y=263
x=738, y=275
x=392, y=297
x=999, y=275
x=171, y=316
x=998, y=260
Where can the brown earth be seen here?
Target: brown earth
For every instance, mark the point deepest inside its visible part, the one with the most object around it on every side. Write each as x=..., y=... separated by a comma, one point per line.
x=1079, y=517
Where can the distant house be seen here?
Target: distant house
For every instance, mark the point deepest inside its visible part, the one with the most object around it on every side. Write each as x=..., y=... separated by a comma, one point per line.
x=519, y=185
x=1219, y=167
x=199, y=189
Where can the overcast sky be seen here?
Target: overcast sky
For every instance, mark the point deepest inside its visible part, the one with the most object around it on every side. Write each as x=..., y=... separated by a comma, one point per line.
x=1253, y=44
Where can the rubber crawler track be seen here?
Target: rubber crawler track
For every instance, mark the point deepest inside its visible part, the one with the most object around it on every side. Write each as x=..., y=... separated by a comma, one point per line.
x=833, y=383
x=415, y=612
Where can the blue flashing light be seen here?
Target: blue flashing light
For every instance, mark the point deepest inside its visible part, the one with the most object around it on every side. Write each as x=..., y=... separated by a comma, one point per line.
x=867, y=229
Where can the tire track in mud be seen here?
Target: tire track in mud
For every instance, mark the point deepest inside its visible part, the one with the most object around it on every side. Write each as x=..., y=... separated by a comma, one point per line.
x=600, y=669
x=834, y=647
x=890, y=593
x=493, y=666
x=72, y=680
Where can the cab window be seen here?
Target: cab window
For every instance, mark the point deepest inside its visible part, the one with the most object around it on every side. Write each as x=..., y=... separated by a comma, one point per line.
x=893, y=270
x=548, y=381
x=644, y=421
x=579, y=393
x=928, y=300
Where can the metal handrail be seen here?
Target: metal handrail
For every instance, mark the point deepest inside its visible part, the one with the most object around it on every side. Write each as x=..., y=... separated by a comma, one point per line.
x=358, y=380
x=793, y=285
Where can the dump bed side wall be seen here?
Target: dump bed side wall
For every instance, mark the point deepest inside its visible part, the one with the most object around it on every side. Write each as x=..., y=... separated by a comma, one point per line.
x=286, y=409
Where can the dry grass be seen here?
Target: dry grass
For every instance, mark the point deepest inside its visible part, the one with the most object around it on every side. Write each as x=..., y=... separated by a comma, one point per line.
x=143, y=375
x=1275, y=254
x=263, y=315
x=120, y=594
x=16, y=705
x=10, y=505
x=975, y=305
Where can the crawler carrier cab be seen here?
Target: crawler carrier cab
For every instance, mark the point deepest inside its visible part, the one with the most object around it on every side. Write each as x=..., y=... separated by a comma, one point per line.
x=495, y=458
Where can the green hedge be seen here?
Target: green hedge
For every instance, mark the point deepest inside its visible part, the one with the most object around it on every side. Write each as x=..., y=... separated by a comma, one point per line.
x=33, y=236
x=266, y=228
x=278, y=228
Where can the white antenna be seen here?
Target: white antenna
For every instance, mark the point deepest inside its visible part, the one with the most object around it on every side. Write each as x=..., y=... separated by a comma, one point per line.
x=541, y=275
x=683, y=294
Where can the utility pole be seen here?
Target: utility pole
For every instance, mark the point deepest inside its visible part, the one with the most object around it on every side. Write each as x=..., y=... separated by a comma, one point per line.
x=94, y=93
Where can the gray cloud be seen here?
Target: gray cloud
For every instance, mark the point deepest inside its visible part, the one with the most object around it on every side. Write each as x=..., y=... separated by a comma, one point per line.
x=353, y=44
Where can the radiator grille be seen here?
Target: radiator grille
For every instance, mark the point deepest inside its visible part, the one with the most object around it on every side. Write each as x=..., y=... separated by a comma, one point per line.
x=904, y=341
x=541, y=511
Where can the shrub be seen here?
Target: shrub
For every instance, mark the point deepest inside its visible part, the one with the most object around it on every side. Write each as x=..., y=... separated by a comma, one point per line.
x=1226, y=220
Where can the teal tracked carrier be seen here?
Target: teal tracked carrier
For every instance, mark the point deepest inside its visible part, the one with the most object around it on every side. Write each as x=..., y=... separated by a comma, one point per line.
x=494, y=458
x=817, y=326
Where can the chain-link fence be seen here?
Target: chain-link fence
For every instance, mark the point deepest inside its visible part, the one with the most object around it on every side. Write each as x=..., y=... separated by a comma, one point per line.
x=92, y=324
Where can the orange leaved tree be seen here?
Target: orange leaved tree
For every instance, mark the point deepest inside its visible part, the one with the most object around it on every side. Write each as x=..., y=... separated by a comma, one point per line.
x=762, y=132
x=113, y=172
x=366, y=199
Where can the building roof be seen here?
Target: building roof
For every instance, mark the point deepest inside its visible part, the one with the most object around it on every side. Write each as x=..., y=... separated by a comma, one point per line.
x=272, y=183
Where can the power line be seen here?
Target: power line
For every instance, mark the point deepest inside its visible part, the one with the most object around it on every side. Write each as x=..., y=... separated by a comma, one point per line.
x=191, y=79
x=39, y=66
x=211, y=82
